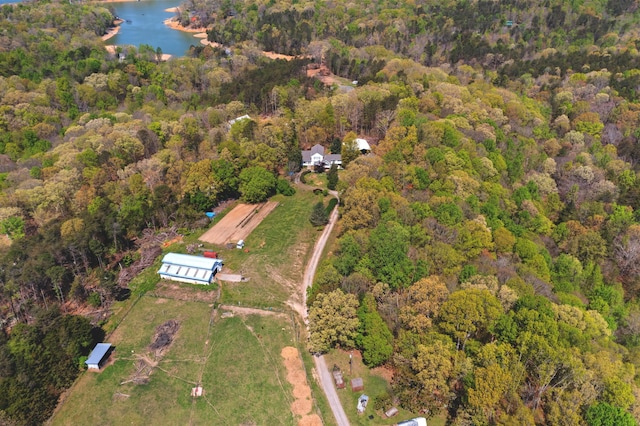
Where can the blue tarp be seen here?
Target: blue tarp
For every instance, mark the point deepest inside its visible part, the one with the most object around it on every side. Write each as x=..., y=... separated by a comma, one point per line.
x=210, y=215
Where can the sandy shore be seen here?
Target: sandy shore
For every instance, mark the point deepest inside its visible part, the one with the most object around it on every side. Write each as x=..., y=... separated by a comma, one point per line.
x=210, y=43
x=175, y=25
x=113, y=30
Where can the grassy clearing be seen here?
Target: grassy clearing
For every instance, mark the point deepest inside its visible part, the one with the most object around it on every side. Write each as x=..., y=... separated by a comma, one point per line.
x=238, y=363
x=374, y=385
x=278, y=251
x=164, y=398
x=244, y=376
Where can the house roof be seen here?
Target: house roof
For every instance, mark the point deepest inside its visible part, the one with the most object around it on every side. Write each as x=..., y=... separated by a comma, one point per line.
x=98, y=353
x=333, y=158
x=363, y=144
x=316, y=149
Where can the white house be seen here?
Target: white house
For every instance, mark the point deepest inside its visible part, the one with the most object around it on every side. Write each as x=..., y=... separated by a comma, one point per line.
x=316, y=156
x=189, y=269
x=98, y=356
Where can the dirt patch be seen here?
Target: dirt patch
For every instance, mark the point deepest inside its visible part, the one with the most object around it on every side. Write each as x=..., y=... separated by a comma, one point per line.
x=164, y=337
x=302, y=406
x=274, y=55
x=145, y=363
x=323, y=74
x=384, y=372
x=238, y=223
x=239, y=310
x=170, y=290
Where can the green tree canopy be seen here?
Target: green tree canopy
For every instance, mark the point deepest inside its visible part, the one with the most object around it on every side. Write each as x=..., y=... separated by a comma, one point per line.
x=333, y=321
x=374, y=338
x=256, y=184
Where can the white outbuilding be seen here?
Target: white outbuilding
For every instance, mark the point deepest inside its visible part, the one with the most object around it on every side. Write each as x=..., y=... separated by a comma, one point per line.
x=189, y=269
x=363, y=145
x=98, y=356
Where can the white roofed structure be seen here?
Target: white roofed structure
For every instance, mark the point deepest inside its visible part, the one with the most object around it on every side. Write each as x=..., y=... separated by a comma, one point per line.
x=98, y=356
x=189, y=269
x=363, y=145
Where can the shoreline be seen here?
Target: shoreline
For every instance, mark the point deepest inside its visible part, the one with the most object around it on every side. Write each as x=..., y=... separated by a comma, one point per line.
x=172, y=23
x=175, y=25
x=112, y=31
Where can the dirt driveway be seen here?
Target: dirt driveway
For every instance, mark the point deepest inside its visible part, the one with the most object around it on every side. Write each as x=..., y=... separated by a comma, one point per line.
x=238, y=223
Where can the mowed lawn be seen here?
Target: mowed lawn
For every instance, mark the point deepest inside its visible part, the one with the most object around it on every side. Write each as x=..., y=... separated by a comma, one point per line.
x=237, y=361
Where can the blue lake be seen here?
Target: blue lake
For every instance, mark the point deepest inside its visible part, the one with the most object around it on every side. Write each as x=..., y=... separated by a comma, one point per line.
x=144, y=24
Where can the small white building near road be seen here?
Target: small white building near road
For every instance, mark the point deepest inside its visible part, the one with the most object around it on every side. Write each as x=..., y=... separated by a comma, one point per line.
x=189, y=269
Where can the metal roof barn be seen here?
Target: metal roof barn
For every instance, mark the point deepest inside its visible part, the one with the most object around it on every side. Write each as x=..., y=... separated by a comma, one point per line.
x=189, y=269
x=98, y=356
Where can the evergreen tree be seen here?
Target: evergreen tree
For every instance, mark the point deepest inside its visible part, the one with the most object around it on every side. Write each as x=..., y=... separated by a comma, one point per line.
x=332, y=177
x=319, y=216
x=374, y=338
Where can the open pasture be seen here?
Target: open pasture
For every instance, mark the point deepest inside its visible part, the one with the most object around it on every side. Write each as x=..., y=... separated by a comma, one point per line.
x=236, y=359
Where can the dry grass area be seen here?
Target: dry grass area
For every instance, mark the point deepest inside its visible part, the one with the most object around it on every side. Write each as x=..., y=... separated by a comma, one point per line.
x=174, y=291
x=302, y=406
x=238, y=223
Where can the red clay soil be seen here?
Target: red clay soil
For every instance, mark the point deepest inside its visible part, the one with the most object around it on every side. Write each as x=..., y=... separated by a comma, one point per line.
x=302, y=406
x=238, y=223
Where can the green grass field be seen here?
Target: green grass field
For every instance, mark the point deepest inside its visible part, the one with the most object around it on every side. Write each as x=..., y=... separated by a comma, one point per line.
x=236, y=360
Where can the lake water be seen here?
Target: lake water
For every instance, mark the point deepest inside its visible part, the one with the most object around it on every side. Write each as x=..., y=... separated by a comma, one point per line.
x=144, y=24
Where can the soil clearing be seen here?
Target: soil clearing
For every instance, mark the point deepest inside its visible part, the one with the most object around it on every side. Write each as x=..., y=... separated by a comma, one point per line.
x=169, y=290
x=238, y=223
x=302, y=406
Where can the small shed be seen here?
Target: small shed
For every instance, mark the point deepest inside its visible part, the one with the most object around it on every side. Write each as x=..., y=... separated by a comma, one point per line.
x=337, y=378
x=357, y=384
x=363, y=145
x=391, y=412
x=98, y=356
x=197, y=391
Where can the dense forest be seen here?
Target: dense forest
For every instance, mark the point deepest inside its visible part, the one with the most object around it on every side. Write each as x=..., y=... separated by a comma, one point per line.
x=488, y=248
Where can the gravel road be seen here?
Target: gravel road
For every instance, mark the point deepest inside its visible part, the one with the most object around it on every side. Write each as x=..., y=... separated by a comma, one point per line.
x=326, y=380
